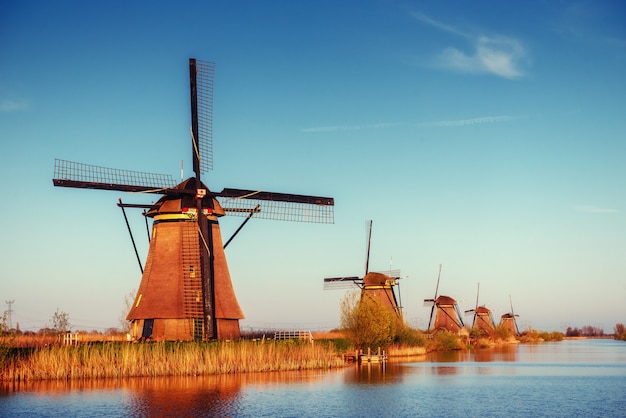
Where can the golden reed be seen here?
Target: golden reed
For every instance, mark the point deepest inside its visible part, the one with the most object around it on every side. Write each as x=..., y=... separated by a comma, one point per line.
x=110, y=359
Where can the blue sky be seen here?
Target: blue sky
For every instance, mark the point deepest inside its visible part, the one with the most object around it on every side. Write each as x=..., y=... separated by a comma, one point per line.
x=487, y=137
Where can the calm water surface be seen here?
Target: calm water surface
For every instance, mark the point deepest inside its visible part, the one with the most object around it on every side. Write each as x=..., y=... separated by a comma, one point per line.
x=580, y=378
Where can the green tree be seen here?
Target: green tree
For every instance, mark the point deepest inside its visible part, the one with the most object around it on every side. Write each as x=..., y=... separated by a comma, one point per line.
x=61, y=322
x=366, y=322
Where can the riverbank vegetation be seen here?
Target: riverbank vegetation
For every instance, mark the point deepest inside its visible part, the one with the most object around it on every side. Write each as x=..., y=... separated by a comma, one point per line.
x=366, y=325
x=109, y=359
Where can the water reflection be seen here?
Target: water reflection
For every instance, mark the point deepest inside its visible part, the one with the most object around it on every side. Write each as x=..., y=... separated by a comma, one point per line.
x=215, y=395
x=373, y=374
x=506, y=353
x=569, y=377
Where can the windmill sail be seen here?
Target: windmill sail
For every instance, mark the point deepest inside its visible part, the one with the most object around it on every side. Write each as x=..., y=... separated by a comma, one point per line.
x=85, y=176
x=277, y=206
x=204, y=74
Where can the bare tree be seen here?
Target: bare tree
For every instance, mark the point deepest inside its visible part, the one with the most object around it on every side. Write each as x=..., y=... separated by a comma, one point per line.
x=3, y=323
x=61, y=321
x=129, y=298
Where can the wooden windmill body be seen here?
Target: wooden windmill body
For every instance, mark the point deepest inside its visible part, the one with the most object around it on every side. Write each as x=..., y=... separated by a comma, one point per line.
x=186, y=290
x=445, y=311
x=377, y=285
x=169, y=305
x=483, y=318
x=447, y=316
x=508, y=320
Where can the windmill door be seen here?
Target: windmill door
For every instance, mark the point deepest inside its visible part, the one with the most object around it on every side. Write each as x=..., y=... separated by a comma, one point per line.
x=148, y=324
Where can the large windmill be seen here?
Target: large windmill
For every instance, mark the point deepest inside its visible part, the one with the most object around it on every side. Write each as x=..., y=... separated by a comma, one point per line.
x=377, y=285
x=186, y=290
x=445, y=311
x=482, y=317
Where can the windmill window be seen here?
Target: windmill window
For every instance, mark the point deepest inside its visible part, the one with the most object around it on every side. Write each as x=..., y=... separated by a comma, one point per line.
x=192, y=272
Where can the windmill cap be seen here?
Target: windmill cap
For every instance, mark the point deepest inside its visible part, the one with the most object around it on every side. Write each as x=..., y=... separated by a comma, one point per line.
x=483, y=310
x=179, y=203
x=375, y=279
x=445, y=300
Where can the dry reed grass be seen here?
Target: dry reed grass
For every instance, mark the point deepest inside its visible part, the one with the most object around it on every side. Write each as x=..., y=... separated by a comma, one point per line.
x=327, y=335
x=405, y=351
x=40, y=340
x=106, y=360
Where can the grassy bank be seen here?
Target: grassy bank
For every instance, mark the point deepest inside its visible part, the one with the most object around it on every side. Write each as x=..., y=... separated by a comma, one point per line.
x=109, y=359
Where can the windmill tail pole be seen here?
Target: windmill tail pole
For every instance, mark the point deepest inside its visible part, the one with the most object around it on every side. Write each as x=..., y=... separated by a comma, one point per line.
x=513, y=315
x=255, y=210
x=131, y=234
x=369, y=242
x=432, y=310
x=430, y=319
x=400, y=299
x=147, y=227
x=438, y=277
x=476, y=308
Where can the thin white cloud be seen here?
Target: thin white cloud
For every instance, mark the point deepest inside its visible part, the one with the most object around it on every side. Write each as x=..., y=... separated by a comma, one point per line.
x=594, y=209
x=349, y=127
x=12, y=105
x=466, y=122
x=442, y=123
x=442, y=26
x=497, y=55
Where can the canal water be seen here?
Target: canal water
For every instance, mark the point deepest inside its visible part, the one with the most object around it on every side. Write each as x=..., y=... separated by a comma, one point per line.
x=579, y=378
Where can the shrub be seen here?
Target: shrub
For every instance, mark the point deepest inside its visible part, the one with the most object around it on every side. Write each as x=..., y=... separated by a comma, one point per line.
x=340, y=345
x=446, y=340
x=476, y=333
x=405, y=335
x=502, y=332
x=366, y=322
x=534, y=336
x=556, y=336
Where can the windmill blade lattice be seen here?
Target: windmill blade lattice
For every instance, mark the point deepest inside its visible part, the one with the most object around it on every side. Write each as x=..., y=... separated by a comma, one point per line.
x=205, y=75
x=342, y=282
x=277, y=206
x=86, y=176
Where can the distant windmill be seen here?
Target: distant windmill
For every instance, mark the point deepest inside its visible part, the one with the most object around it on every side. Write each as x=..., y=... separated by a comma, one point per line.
x=186, y=290
x=376, y=285
x=508, y=320
x=482, y=317
x=445, y=311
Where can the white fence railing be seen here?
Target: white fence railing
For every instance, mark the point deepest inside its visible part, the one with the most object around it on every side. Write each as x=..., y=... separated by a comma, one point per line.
x=293, y=335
